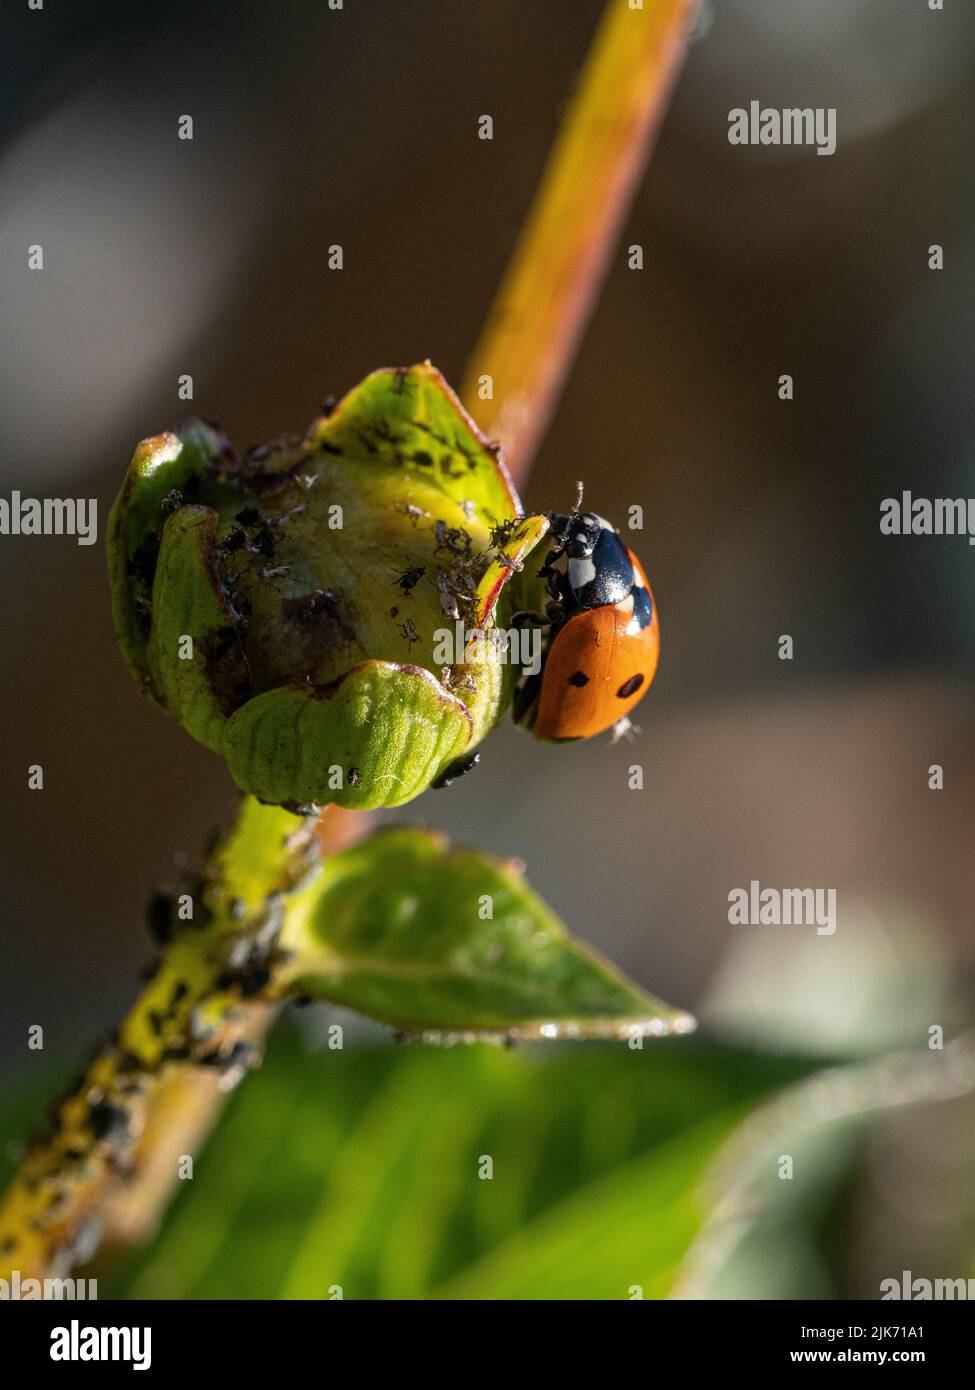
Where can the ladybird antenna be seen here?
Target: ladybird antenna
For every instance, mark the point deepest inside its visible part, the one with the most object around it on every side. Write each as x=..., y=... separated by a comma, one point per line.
x=577, y=505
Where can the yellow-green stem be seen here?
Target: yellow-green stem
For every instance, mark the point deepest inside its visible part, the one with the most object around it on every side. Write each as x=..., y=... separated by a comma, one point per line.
x=153, y=1090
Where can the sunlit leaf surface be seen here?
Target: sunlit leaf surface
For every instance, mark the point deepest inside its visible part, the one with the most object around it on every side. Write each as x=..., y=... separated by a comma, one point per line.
x=438, y=939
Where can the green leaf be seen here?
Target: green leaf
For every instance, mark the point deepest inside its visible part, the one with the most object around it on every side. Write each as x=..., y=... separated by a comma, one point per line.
x=431, y=938
x=359, y=1168
x=592, y=1236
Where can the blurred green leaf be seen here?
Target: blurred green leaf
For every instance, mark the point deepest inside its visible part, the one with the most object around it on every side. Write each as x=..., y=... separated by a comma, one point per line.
x=431, y=938
x=359, y=1169
x=24, y=1105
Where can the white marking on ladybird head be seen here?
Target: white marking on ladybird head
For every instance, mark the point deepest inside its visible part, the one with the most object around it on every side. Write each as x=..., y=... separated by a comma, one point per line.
x=581, y=572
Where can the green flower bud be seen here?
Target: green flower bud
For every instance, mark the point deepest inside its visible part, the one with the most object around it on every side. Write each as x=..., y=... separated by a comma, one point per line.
x=289, y=607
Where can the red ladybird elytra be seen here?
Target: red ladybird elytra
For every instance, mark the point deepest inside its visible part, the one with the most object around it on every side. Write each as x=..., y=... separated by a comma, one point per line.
x=605, y=642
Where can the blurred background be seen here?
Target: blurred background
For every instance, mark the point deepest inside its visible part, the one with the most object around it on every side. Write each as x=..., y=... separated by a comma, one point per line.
x=313, y=126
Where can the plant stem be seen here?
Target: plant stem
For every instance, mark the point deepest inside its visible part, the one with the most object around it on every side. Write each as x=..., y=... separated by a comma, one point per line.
x=109, y=1155
x=530, y=338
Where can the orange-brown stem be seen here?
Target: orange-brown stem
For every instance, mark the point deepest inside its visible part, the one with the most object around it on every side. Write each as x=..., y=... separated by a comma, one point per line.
x=530, y=338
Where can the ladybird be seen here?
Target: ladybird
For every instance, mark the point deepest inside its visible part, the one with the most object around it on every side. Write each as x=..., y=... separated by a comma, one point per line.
x=604, y=640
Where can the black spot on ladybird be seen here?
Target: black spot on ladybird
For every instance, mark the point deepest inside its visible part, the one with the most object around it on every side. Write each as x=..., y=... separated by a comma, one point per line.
x=579, y=678
x=629, y=687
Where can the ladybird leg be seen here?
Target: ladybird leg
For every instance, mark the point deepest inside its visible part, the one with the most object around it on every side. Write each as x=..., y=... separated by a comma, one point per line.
x=525, y=698
x=555, y=584
x=624, y=729
x=525, y=618
x=553, y=556
x=455, y=770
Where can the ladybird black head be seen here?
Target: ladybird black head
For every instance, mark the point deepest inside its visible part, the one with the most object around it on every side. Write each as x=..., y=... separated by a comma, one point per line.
x=576, y=533
x=598, y=568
